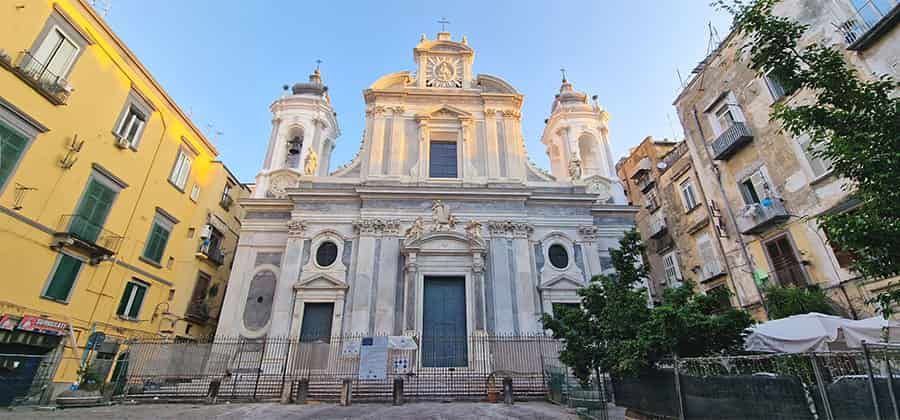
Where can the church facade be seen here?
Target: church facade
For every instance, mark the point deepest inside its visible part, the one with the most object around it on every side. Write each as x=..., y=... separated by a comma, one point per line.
x=440, y=226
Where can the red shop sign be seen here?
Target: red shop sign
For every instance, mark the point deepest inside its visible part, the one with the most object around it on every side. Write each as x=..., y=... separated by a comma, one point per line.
x=43, y=325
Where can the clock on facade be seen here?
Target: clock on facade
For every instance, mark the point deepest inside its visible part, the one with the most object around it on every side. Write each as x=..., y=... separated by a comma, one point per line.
x=444, y=72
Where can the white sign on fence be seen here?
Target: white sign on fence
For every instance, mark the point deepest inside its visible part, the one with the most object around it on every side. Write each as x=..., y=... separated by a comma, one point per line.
x=373, y=356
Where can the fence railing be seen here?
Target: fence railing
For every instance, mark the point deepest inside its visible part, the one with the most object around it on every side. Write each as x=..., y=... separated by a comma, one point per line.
x=439, y=368
x=827, y=386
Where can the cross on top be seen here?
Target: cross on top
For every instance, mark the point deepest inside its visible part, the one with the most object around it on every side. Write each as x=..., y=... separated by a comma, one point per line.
x=443, y=23
x=318, y=62
x=563, y=71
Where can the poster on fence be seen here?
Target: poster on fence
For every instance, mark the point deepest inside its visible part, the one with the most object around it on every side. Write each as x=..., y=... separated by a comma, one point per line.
x=373, y=356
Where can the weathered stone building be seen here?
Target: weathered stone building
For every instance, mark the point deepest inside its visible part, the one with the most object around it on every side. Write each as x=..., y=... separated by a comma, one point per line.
x=440, y=226
x=771, y=187
x=679, y=226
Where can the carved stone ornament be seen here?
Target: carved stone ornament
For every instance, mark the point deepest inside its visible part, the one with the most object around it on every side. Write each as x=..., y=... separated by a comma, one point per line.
x=415, y=231
x=279, y=184
x=312, y=162
x=473, y=230
x=441, y=219
x=377, y=226
x=589, y=232
x=296, y=227
x=444, y=72
x=574, y=169
x=598, y=186
x=510, y=228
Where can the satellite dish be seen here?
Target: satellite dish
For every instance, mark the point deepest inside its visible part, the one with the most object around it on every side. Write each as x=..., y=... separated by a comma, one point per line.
x=662, y=165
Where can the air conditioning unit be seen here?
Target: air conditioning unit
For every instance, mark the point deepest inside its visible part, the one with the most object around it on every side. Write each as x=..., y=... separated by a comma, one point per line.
x=206, y=231
x=122, y=142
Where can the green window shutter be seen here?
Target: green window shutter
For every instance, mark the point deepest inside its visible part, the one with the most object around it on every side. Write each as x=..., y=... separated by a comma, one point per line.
x=156, y=243
x=138, y=300
x=11, y=146
x=125, y=296
x=93, y=210
x=63, y=278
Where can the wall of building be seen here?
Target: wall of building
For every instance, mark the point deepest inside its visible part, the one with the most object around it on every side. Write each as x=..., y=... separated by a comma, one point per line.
x=103, y=78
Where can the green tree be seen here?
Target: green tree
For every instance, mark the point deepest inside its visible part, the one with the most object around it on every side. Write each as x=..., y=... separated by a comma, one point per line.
x=616, y=331
x=783, y=302
x=854, y=123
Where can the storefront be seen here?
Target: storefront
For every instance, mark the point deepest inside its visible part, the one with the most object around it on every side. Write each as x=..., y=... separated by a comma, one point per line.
x=30, y=347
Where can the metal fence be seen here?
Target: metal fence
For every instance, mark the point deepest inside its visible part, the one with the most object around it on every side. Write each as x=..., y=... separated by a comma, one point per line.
x=589, y=398
x=238, y=369
x=833, y=385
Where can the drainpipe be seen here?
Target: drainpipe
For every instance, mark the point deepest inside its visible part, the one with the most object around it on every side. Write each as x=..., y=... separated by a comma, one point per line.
x=731, y=217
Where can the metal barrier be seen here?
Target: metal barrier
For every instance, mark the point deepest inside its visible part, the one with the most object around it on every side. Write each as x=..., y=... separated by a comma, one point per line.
x=238, y=369
x=590, y=399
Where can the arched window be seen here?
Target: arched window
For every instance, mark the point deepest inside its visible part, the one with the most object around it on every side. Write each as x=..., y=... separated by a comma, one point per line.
x=294, y=147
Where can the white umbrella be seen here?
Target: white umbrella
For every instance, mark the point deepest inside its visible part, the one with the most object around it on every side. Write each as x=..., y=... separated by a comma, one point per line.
x=796, y=334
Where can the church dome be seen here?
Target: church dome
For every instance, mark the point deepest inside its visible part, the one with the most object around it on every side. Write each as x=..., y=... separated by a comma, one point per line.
x=313, y=87
x=569, y=98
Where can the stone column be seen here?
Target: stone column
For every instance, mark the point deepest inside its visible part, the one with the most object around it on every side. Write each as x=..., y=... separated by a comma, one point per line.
x=398, y=138
x=273, y=141
x=362, y=285
x=410, y=277
x=422, y=170
x=376, y=151
x=284, y=290
x=387, y=285
x=478, y=292
x=515, y=149
x=528, y=305
x=493, y=146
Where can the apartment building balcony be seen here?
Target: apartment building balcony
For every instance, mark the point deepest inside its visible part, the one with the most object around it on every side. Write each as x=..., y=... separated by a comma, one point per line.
x=36, y=74
x=78, y=233
x=226, y=202
x=868, y=24
x=197, y=311
x=731, y=141
x=658, y=227
x=758, y=217
x=211, y=253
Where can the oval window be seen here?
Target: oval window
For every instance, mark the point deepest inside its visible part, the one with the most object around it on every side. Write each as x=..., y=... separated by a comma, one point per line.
x=558, y=256
x=258, y=307
x=326, y=254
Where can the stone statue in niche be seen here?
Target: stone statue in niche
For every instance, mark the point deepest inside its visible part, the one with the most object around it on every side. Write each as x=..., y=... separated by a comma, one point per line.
x=574, y=169
x=441, y=218
x=415, y=231
x=312, y=162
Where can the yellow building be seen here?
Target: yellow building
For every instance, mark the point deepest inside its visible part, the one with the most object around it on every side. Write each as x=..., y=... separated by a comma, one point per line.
x=116, y=221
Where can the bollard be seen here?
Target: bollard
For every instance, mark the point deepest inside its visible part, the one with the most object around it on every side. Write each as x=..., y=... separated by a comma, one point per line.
x=346, y=392
x=508, y=391
x=398, y=391
x=302, y=391
x=213, y=392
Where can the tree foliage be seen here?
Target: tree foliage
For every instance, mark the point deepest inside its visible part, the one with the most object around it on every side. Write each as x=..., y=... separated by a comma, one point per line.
x=783, y=302
x=616, y=331
x=854, y=123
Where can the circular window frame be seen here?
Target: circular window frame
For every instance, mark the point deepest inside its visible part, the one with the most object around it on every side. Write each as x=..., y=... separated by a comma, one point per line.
x=319, y=245
x=568, y=252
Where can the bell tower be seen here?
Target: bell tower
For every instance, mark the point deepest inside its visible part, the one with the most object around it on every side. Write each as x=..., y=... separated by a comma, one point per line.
x=304, y=130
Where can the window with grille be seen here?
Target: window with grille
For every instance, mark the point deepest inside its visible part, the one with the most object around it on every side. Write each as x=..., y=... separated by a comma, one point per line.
x=443, y=160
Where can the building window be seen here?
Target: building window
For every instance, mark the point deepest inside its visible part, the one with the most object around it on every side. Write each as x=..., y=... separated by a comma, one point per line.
x=724, y=113
x=652, y=200
x=51, y=61
x=785, y=265
x=755, y=187
x=130, y=124
x=687, y=195
x=818, y=164
x=87, y=223
x=443, y=159
x=873, y=11
x=158, y=237
x=226, y=200
x=195, y=193
x=132, y=299
x=326, y=254
x=180, y=171
x=63, y=278
x=12, y=146
x=672, y=271
x=710, y=261
x=559, y=257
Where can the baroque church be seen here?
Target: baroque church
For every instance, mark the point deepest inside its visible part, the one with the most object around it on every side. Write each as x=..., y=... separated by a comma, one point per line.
x=440, y=226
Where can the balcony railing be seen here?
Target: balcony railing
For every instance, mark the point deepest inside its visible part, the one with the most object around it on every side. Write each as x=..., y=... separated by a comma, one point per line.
x=757, y=217
x=212, y=253
x=35, y=73
x=658, y=227
x=867, y=25
x=76, y=231
x=731, y=140
x=197, y=311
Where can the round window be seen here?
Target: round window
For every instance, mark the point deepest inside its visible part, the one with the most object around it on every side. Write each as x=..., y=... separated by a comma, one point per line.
x=326, y=254
x=558, y=256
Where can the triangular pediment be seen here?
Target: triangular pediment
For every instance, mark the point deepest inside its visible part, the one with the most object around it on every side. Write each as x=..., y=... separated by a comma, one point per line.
x=562, y=283
x=446, y=111
x=321, y=281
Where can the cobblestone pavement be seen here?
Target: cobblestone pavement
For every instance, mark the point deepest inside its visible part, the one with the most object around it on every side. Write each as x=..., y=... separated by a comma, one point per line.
x=261, y=411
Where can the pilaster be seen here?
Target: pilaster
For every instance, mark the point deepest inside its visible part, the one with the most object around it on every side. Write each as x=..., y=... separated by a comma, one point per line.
x=284, y=290
x=398, y=137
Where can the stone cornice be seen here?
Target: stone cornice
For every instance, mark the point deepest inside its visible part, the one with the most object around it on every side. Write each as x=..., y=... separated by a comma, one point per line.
x=509, y=228
x=376, y=226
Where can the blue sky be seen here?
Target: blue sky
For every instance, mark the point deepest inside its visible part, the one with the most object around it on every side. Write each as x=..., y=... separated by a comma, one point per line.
x=225, y=61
